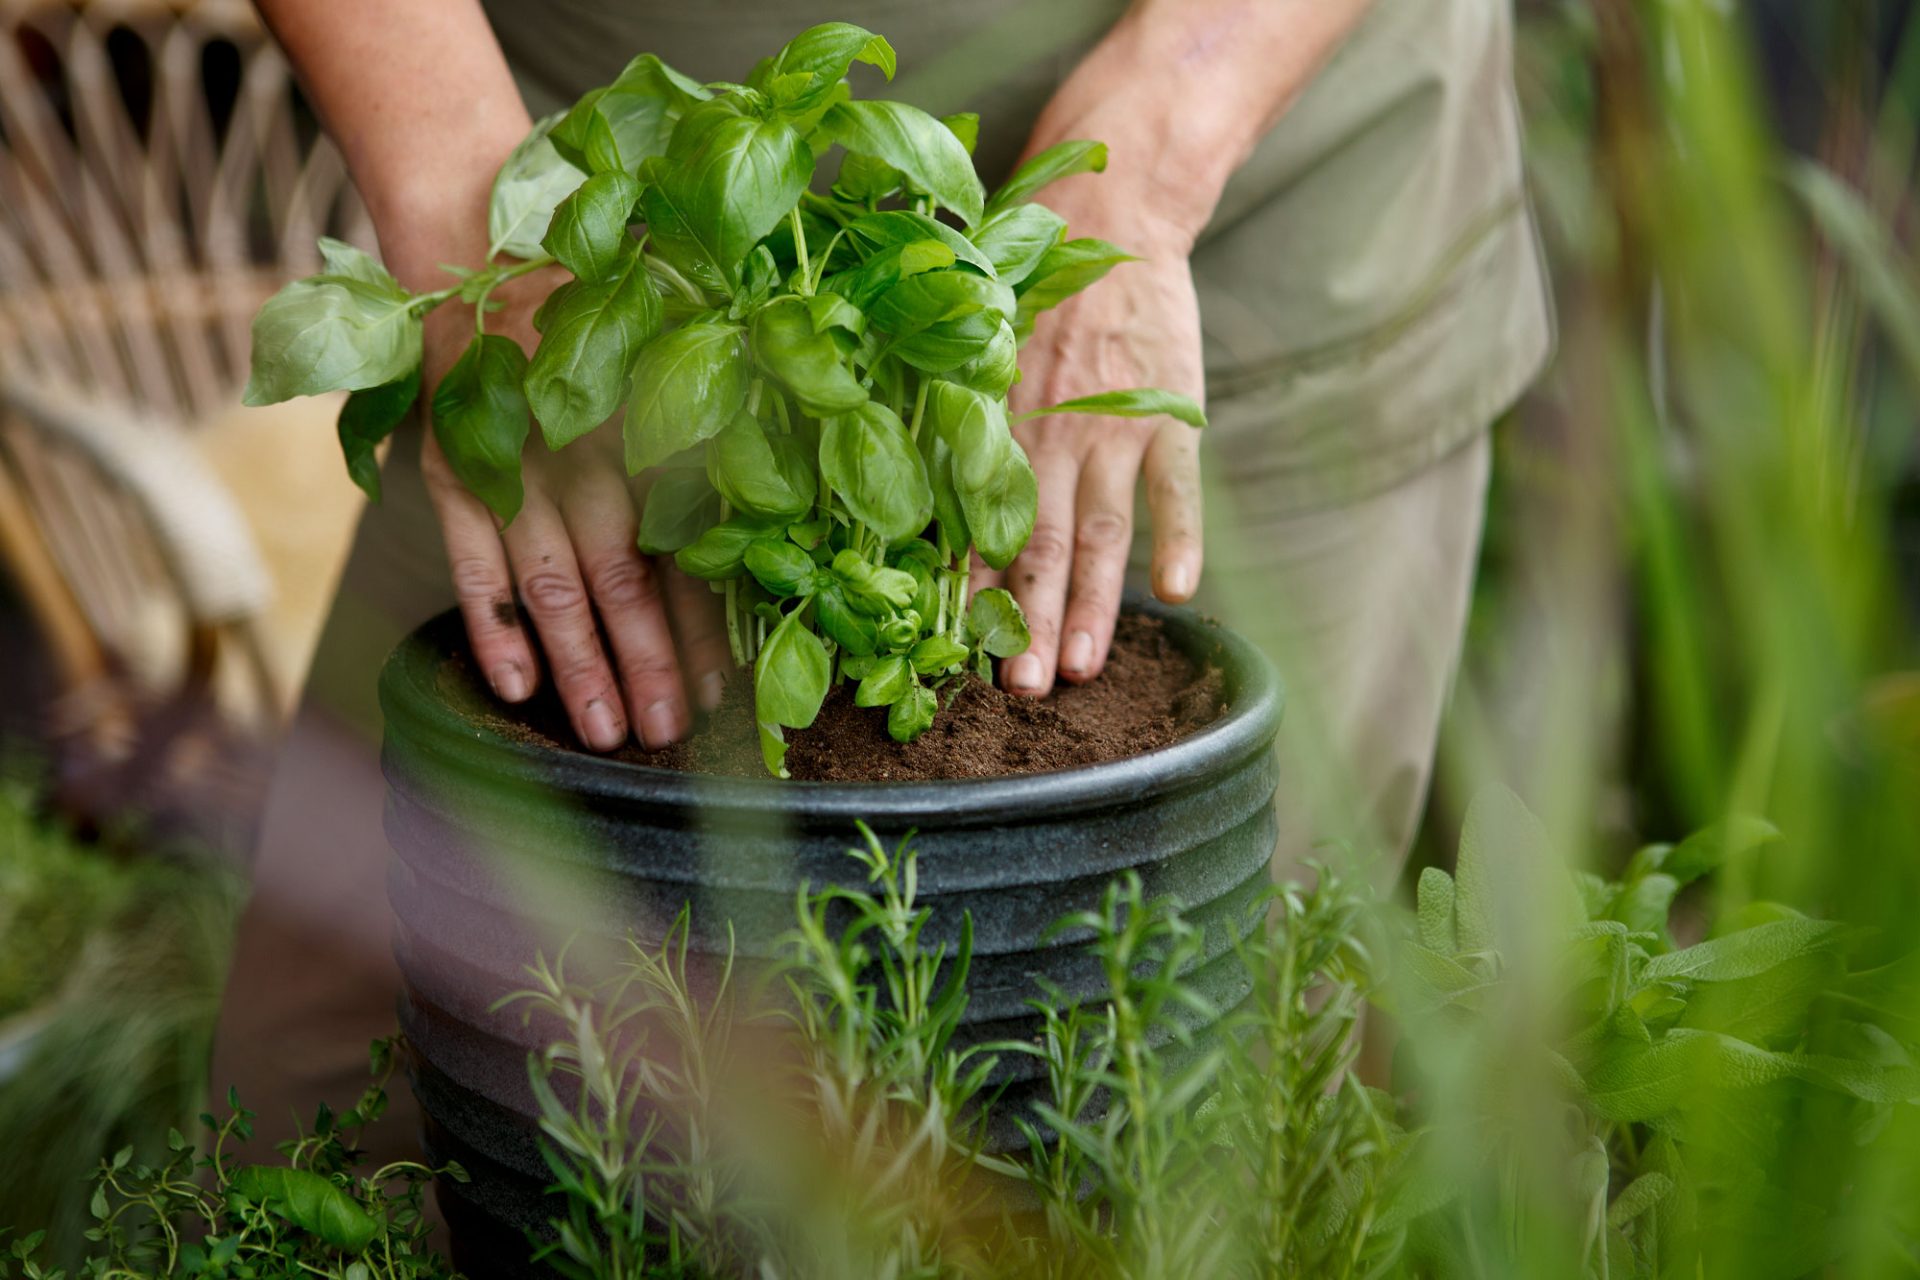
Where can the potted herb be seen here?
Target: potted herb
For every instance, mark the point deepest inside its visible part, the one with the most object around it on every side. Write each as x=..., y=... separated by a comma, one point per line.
x=817, y=382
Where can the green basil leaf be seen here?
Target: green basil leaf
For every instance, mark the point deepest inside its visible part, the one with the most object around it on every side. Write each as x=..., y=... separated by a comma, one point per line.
x=912, y=714
x=923, y=300
x=866, y=178
x=790, y=678
x=832, y=311
x=872, y=589
x=591, y=334
x=779, y=566
x=883, y=686
x=1062, y=160
x=891, y=227
x=310, y=1202
x=354, y=263
x=824, y=54
x=331, y=333
x=964, y=125
x=1136, y=402
x=808, y=363
x=526, y=191
x=869, y=459
x=1016, y=239
x=480, y=419
x=368, y=417
x=687, y=384
x=762, y=474
x=996, y=624
x=680, y=506
x=993, y=370
x=946, y=498
x=759, y=277
x=936, y=654
x=916, y=144
x=631, y=119
x=720, y=552
x=724, y=184
x=844, y=625
x=858, y=666
x=1000, y=513
x=812, y=533
x=863, y=284
x=773, y=749
x=589, y=229
x=1066, y=270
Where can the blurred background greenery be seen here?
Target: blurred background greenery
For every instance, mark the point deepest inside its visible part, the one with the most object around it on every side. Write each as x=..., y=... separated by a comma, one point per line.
x=1698, y=599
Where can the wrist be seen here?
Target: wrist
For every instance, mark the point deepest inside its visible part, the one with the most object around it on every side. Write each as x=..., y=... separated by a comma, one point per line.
x=436, y=213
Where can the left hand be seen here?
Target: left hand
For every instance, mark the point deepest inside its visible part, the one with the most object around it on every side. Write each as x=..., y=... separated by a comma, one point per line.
x=1138, y=327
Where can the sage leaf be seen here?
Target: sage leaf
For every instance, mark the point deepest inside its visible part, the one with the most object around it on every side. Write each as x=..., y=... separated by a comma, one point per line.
x=1744, y=953
x=687, y=385
x=368, y=417
x=1434, y=900
x=481, y=420
x=919, y=146
x=589, y=228
x=526, y=191
x=870, y=461
x=1062, y=160
x=591, y=334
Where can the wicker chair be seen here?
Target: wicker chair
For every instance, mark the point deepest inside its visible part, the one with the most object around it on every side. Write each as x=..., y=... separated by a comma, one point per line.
x=159, y=176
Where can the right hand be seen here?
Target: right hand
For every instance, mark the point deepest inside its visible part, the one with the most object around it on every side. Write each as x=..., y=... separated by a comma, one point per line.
x=571, y=554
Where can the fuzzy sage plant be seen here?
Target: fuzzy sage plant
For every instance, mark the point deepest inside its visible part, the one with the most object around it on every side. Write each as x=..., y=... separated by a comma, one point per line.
x=815, y=383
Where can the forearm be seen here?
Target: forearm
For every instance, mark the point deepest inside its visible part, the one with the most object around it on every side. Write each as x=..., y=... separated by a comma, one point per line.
x=1183, y=90
x=420, y=101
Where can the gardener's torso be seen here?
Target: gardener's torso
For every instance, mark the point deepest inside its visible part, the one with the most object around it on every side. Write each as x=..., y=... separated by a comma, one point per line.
x=1369, y=289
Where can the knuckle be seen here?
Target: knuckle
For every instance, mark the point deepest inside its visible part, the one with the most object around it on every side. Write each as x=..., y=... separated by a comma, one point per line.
x=1046, y=548
x=551, y=593
x=1103, y=531
x=477, y=578
x=625, y=582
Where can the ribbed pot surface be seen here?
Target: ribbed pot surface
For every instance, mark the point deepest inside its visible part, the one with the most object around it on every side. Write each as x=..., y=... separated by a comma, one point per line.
x=508, y=849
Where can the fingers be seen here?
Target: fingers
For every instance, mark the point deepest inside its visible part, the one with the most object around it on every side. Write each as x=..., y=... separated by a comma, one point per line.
x=482, y=584
x=548, y=572
x=1103, y=532
x=1038, y=577
x=626, y=590
x=1173, y=501
x=701, y=628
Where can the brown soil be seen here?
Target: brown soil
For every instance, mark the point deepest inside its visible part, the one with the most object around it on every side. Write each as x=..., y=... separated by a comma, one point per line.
x=1150, y=694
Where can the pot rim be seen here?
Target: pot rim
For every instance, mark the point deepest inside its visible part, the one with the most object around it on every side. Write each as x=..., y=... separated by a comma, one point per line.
x=1255, y=698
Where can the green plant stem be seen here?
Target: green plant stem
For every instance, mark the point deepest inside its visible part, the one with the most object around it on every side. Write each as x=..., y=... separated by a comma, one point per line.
x=800, y=248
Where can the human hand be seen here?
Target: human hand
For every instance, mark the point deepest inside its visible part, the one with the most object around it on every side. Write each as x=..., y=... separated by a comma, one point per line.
x=1140, y=326
x=572, y=554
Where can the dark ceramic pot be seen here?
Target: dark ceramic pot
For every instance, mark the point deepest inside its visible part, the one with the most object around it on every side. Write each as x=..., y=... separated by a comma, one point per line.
x=505, y=846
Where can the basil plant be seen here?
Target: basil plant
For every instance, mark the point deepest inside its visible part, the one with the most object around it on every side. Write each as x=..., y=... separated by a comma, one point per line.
x=817, y=383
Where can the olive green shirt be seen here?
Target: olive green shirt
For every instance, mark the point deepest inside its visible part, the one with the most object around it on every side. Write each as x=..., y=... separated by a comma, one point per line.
x=1371, y=291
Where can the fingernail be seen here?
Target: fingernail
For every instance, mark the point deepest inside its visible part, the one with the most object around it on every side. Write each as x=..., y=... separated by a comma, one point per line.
x=1177, y=583
x=712, y=686
x=1023, y=674
x=510, y=682
x=599, y=727
x=658, y=724
x=1077, y=656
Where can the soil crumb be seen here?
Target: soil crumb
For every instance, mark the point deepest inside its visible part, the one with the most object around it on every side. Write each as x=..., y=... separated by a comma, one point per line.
x=1150, y=694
